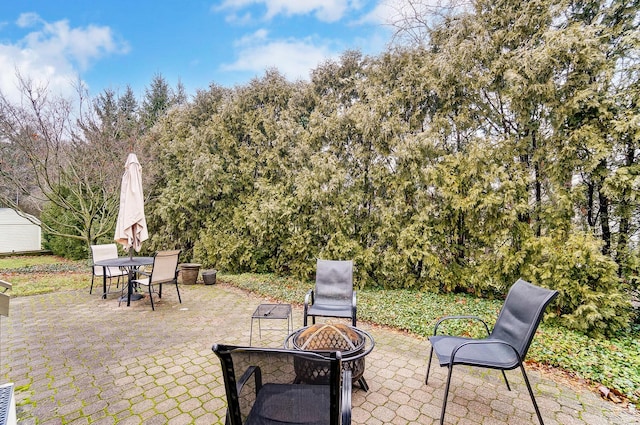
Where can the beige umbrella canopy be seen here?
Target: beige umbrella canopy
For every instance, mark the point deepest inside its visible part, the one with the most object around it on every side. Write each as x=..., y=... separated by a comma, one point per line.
x=131, y=227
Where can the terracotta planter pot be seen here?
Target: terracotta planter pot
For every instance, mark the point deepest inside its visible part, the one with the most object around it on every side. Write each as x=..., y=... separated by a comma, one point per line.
x=189, y=273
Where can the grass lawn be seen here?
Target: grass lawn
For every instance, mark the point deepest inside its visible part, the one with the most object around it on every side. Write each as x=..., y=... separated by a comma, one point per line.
x=611, y=363
x=43, y=274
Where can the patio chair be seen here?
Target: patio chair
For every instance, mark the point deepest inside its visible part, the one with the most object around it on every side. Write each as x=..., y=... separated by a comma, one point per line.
x=280, y=386
x=333, y=295
x=4, y=297
x=165, y=270
x=105, y=252
x=7, y=393
x=505, y=347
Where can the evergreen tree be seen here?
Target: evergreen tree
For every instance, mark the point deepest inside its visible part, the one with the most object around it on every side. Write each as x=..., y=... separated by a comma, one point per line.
x=128, y=115
x=157, y=100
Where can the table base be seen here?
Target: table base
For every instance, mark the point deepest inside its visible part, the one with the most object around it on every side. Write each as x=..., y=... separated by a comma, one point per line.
x=134, y=297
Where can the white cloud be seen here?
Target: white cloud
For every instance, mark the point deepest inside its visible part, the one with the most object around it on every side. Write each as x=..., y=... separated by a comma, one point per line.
x=53, y=54
x=383, y=13
x=293, y=58
x=26, y=20
x=240, y=20
x=260, y=35
x=324, y=10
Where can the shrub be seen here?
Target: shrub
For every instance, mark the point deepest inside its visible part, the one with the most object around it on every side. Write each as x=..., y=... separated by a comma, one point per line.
x=58, y=219
x=592, y=298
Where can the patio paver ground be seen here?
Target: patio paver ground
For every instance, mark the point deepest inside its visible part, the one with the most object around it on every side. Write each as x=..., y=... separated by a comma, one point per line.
x=78, y=359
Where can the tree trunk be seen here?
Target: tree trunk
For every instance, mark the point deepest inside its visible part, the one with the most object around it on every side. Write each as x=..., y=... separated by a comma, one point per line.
x=625, y=213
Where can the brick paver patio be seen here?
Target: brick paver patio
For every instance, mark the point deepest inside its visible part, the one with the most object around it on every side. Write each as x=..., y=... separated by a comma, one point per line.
x=78, y=359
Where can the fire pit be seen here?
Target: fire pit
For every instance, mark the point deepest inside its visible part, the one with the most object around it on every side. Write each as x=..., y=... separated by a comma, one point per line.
x=353, y=343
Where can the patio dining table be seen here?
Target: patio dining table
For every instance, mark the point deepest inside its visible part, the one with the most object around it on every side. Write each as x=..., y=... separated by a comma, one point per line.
x=131, y=264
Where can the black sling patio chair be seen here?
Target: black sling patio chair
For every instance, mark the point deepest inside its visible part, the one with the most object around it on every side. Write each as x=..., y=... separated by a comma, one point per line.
x=279, y=386
x=333, y=295
x=505, y=347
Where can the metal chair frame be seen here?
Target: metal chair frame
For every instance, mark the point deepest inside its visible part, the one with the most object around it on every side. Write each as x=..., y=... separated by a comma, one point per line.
x=165, y=270
x=105, y=252
x=338, y=385
x=505, y=347
x=333, y=295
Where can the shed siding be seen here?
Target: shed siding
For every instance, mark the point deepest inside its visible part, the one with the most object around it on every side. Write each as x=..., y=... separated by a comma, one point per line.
x=17, y=233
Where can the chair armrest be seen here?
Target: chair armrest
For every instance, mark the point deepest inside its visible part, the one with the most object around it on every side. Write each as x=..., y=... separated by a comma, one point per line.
x=483, y=342
x=354, y=309
x=251, y=370
x=346, y=397
x=5, y=285
x=435, y=329
x=308, y=298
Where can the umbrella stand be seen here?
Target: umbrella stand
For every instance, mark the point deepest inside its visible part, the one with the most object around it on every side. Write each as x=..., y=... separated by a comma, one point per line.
x=135, y=296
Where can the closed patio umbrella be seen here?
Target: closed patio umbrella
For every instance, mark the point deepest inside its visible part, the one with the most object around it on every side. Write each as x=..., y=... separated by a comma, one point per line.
x=131, y=227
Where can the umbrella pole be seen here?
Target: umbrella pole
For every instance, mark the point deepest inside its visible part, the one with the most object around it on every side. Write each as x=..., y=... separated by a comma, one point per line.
x=132, y=270
x=133, y=238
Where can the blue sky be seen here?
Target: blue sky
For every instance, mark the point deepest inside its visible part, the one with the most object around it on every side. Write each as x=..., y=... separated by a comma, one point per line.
x=112, y=43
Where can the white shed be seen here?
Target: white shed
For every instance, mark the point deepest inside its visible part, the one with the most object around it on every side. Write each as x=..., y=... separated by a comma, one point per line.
x=18, y=233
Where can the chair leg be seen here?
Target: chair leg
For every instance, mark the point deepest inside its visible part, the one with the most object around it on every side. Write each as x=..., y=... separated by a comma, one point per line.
x=363, y=384
x=91, y=288
x=504, y=375
x=178, y=290
x=533, y=399
x=446, y=395
x=151, y=297
x=426, y=380
x=108, y=287
x=313, y=320
x=104, y=283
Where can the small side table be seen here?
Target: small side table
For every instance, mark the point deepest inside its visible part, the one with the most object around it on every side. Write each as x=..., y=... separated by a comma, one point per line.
x=271, y=311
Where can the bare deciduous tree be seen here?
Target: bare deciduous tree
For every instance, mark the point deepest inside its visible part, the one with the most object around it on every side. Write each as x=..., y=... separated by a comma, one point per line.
x=413, y=20
x=49, y=159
